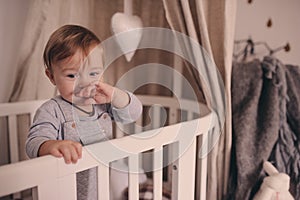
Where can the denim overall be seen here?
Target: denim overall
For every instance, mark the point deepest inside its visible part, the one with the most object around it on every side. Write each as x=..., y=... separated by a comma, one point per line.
x=86, y=130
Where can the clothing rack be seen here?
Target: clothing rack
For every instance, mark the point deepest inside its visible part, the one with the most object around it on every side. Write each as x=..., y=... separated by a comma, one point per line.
x=250, y=44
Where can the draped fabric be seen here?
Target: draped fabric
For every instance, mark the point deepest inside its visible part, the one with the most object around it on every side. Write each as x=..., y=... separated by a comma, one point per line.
x=211, y=22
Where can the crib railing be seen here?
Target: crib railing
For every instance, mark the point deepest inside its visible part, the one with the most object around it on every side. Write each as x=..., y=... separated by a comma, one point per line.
x=51, y=178
x=11, y=111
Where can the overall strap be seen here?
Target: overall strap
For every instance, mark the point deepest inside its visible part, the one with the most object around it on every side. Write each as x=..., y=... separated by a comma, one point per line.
x=65, y=107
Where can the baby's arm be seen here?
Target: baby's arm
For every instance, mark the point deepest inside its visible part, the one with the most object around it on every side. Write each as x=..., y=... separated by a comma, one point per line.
x=45, y=138
x=69, y=150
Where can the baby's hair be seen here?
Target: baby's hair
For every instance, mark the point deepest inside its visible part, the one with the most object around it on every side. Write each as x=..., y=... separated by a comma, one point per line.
x=65, y=41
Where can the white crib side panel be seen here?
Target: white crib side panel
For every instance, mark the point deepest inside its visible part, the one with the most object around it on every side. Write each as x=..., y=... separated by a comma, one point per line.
x=42, y=172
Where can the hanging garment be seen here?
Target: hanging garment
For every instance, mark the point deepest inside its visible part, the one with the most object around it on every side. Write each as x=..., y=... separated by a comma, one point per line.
x=255, y=108
x=260, y=127
x=286, y=152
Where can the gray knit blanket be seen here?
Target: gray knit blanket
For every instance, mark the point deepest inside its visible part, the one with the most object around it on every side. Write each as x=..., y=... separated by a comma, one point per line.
x=266, y=124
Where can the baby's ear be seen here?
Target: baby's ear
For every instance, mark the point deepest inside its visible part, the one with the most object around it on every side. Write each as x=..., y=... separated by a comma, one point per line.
x=50, y=76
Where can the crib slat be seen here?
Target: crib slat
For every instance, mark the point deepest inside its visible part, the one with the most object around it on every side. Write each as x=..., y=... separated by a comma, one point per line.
x=133, y=162
x=174, y=154
x=155, y=117
x=138, y=128
x=157, y=173
x=172, y=116
x=186, y=172
x=171, y=154
x=13, y=138
x=13, y=144
x=34, y=193
x=189, y=115
x=67, y=187
x=45, y=193
x=119, y=132
x=202, y=169
x=103, y=182
x=139, y=125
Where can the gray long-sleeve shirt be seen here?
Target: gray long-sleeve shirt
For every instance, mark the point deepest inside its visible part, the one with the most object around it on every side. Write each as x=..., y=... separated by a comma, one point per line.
x=50, y=120
x=56, y=120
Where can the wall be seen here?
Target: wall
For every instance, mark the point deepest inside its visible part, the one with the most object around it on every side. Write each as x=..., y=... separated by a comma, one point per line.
x=252, y=19
x=12, y=19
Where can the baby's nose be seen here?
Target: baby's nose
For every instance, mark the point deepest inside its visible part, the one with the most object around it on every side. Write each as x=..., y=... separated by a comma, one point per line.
x=83, y=81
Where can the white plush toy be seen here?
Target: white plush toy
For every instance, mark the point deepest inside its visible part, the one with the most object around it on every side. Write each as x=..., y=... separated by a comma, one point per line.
x=275, y=186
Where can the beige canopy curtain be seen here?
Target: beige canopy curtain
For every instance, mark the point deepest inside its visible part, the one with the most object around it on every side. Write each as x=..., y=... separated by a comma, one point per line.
x=212, y=23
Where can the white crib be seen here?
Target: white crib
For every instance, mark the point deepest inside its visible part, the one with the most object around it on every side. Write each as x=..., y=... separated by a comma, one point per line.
x=50, y=178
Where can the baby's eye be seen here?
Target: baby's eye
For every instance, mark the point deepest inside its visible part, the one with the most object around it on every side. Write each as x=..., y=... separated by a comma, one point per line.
x=94, y=73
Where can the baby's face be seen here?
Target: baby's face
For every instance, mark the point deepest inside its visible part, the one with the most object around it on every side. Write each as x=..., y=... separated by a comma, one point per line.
x=76, y=76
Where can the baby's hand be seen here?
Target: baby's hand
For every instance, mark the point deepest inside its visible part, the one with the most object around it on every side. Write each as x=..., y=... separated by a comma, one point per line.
x=106, y=93
x=70, y=150
x=101, y=93
x=95, y=93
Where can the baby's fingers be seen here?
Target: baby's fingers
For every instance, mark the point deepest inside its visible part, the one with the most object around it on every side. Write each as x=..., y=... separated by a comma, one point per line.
x=101, y=99
x=78, y=148
x=104, y=88
x=67, y=155
x=74, y=155
x=71, y=154
x=56, y=153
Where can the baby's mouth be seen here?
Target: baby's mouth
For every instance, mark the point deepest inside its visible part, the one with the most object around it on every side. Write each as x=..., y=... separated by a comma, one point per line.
x=83, y=100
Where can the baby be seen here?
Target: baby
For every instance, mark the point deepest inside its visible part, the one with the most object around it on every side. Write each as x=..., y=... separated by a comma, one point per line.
x=83, y=112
